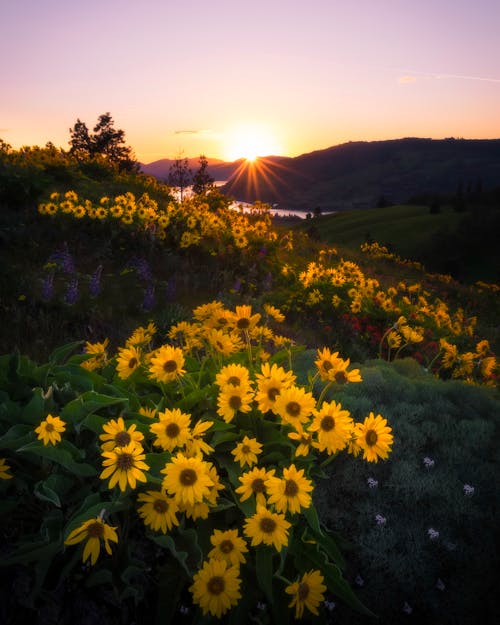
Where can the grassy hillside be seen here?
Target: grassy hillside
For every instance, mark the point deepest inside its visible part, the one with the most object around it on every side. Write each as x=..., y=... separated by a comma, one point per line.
x=462, y=244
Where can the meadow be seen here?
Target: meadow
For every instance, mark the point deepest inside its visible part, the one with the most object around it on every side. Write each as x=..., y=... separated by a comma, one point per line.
x=215, y=416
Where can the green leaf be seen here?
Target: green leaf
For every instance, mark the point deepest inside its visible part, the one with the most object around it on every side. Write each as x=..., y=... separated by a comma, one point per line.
x=167, y=542
x=92, y=507
x=45, y=493
x=171, y=582
x=60, y=355
x=88, y=403
x=39, y=551
x=264, y=569
x=307, y=555
x=34, y=411
x=63, y=454
x=16, y=436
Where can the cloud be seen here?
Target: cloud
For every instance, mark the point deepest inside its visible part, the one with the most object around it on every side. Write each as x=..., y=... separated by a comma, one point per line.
x=407, y=79
x=193, y=132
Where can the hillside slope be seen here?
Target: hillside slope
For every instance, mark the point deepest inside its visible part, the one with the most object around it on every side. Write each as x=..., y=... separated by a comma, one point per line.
x=359, y=174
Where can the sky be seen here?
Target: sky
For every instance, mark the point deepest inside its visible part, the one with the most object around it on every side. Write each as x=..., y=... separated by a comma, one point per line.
x=228, y=79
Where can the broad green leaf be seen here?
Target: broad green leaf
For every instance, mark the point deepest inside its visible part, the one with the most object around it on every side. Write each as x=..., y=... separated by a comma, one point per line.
x=88, y=403
x=16, y=436
x=45, y=493
x=167, y=542
x=60, y=355
x=62, y=454
x=264, y=569
x=34, y=412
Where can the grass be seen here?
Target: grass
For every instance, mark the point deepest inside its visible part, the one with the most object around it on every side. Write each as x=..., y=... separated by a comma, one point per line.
x=442, y=241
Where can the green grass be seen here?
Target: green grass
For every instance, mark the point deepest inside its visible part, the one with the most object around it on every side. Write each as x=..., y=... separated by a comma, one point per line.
x=402, y=227
x=458, y=243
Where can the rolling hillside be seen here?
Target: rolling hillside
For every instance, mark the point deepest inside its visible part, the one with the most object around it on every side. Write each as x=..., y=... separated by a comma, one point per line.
x=360, y=174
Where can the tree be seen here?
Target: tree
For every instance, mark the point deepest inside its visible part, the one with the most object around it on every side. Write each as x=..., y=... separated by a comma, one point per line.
x=106, y=141
x=202, y=180
x=179, y=175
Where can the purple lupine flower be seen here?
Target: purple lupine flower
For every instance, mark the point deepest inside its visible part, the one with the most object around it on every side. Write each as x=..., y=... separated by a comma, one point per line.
x=148, y=302
x=468, y=490
x=95, y=282
x=141, y=267
x=64, y=260
x=71, y=296
x=428, y=462
x=432, y=533
x=48, y=287
x=372, y=483
x=407, y=608
x=381, y=520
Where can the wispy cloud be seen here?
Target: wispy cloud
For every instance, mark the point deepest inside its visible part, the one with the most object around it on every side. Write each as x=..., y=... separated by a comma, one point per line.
x=407, y=78
x=193, y=132
x=412, y=76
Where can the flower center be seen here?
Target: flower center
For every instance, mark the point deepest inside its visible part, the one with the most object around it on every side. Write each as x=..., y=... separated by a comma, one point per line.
x=122, y=438
x=95, y=530
x=235, y=402
x=226, y=546
x=49, y=427
x=132, y=363
x=303, y=591
x=125, y=462
x=245, y=449
x=258, y=485
x=160, y=505
x=188, y=477
x=215, y=585
x=371, y=437
x=340, y=377
x=272, y=393
x=234, y=380
x=327, y=365
x=267, y=525
x=243, y=324
x=327, y=423
x=172, y=430
x=291, y=488
x=293, y=408
x=169, y=366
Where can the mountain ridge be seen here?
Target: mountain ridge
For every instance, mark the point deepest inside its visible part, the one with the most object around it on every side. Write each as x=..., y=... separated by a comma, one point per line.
x=359, y=173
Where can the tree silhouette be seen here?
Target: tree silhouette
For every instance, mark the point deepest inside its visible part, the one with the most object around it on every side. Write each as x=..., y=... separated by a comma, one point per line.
x=106, y=141
x=179, y=175
x=202, y=180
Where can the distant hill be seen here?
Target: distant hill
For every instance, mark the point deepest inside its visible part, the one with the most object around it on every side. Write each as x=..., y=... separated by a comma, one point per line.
x=218, y=169
x=357, y=174
x=360, y=174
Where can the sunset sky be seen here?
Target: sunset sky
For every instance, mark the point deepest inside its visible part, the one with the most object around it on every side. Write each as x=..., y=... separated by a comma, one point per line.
x=224, y=77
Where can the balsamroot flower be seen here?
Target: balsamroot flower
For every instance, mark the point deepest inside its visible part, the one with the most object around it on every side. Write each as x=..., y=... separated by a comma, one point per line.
x=124, y=466
x=307, y=593
x=49, y=430
x=267, y=527
x=216, y=587
x=93, y=530
x=374, y=437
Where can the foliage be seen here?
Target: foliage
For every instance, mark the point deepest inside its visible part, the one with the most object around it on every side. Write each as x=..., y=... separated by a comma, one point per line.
x=423, y=526
x=413, y=317
x=116, y=406
x=202, y=180
x=180, y=175
x=106, y=142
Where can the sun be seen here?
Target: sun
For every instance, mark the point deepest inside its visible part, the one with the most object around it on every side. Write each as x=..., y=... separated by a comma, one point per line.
x=249, y=141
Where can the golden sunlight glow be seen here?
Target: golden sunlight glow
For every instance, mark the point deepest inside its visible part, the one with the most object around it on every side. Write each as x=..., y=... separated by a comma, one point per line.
x=248, y=141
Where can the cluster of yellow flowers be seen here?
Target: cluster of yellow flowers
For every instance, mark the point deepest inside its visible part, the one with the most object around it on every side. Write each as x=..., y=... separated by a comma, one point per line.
x=345, y=285
x=189, y=223
x=381, y=251
x=190, y=482
x=469, y=365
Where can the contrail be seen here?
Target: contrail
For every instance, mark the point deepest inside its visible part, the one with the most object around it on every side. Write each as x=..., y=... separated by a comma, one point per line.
x=440, y=75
